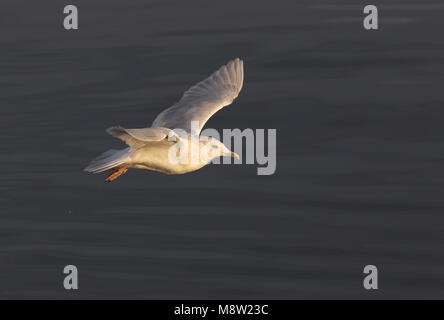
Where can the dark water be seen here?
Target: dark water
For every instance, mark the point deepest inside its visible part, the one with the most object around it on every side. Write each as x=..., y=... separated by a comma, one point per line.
x=359, y=116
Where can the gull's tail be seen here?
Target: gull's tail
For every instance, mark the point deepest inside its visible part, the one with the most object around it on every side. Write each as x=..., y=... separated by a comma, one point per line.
x=108, y=160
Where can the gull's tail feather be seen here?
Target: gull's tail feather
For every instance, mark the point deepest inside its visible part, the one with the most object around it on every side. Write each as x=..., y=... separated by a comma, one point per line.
x=108, y=160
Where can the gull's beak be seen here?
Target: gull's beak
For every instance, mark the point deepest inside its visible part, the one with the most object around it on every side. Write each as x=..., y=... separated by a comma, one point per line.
x=235, y=155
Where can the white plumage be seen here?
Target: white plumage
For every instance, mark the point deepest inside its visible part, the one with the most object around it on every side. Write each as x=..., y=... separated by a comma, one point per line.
x=149, y=147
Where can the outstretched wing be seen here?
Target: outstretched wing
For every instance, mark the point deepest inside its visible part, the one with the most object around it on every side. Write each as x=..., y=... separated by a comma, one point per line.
x=203, y=100
x=136, y=138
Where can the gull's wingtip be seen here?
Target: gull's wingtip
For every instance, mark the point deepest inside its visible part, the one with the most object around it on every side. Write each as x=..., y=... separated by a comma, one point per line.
x=237, y=60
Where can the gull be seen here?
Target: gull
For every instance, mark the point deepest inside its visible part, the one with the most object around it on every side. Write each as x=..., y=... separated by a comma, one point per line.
x=156, y=148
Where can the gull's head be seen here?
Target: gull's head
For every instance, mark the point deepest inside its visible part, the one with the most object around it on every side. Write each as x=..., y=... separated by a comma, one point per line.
x=213, y=148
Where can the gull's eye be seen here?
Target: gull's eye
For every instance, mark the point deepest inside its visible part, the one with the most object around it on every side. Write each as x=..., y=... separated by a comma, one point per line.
x=215, y=146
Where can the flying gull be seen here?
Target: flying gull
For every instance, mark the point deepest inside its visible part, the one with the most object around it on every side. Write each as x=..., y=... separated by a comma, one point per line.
x=157, y=148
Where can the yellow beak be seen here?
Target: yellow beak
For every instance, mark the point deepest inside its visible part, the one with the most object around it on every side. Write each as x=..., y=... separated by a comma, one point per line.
x=235, y=155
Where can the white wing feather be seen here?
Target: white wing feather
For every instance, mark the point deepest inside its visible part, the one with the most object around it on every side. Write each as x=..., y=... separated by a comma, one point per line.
x=204, y=99
x=136, y=138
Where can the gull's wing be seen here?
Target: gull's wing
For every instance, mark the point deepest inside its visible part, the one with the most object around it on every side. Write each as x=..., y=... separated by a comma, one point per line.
x=136, y=138
x=203, y=100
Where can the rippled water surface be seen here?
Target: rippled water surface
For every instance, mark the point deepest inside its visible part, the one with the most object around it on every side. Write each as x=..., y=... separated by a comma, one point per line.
x=360, y=151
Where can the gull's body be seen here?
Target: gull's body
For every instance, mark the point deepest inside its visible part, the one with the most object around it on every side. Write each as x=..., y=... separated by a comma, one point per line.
x=150, y=148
